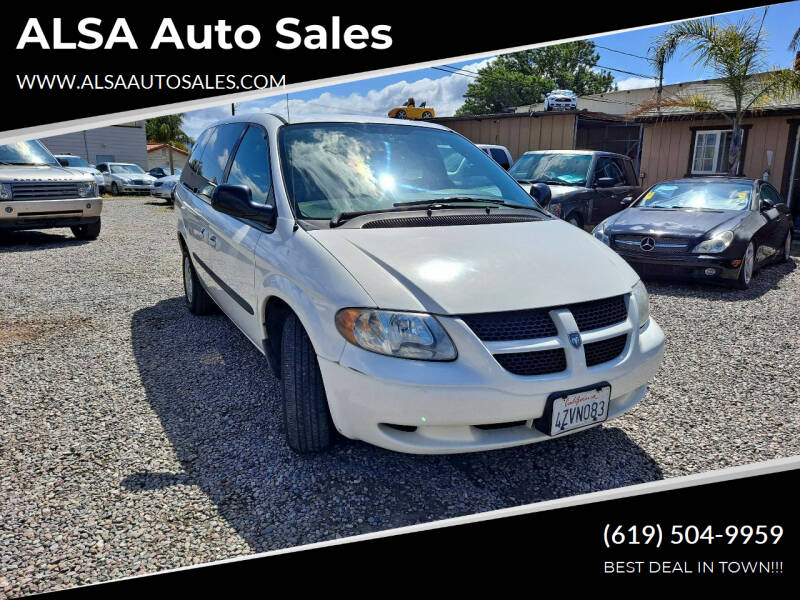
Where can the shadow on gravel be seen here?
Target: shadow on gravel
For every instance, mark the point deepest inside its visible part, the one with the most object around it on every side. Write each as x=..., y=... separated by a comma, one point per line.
x=27, y=241
x=767, y=278
x=220, y=408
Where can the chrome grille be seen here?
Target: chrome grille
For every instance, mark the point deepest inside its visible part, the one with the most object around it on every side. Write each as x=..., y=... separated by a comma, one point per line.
x=661, y=245
x=43, y=190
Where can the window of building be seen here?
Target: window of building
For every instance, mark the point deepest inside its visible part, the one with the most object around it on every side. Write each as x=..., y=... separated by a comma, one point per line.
x=711, y=151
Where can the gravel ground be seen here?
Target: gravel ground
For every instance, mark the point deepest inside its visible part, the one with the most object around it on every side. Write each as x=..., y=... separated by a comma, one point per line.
x=135, y=437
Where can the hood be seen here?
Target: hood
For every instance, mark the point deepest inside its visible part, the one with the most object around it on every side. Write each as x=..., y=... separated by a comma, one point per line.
x=90, y=170
x=136, y=176
x=556, y=191
x=677, y=222
x=10, y=173
x=479, y=268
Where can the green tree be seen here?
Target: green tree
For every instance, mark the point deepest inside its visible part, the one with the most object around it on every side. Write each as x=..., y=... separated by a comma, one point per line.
x=525, y=77
x=168, y=130
x=736, y=53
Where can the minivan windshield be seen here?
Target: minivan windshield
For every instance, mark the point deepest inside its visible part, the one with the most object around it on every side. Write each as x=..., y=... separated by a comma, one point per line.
x=31, y=152
x=557, y=168
x=336, y=168
x=126, y=169
x=704, y=196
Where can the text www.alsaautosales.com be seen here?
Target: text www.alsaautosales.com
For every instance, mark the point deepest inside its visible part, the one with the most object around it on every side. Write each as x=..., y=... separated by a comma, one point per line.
x=149, y=82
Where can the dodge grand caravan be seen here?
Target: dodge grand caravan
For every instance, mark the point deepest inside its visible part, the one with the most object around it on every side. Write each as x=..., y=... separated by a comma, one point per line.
x=406, y=290
x=36, y=192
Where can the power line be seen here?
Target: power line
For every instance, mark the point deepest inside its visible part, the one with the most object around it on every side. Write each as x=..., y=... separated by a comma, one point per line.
x=626, y=72
x=647, y=58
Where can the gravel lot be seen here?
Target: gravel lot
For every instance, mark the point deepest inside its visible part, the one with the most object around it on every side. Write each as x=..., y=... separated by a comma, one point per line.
x=135, y=437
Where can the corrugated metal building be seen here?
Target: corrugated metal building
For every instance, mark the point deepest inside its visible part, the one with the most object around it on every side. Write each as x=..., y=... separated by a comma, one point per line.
x=118, y=143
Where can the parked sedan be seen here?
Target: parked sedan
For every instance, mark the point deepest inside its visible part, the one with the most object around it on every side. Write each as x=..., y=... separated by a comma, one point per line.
x=587, y=186
x=165, y=187
x=78, y=164
x=159, y=172
x=119, y=178
x=715, y=229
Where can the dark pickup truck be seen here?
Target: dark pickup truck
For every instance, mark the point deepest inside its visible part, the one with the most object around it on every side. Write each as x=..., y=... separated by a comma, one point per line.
x=587, y=186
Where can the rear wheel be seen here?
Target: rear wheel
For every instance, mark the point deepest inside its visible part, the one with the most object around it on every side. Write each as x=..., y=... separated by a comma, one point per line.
x=114, y=188
x=427, y=115
x=748, y=266
x=305, y=407
x=197, y=299
x=89, y=231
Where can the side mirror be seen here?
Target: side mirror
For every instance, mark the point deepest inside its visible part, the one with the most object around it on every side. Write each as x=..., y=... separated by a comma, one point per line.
x=237, y=201
x=604, y=182
x=541, y=193
x=626, y=200
x=766, y=204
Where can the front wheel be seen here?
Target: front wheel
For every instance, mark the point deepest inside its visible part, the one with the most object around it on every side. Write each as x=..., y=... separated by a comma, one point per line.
x=197, y=299
x=89, y=231
x=401, y=114
x=787, y=247
x=114, y=189
x=305, y=407
x=748, y=265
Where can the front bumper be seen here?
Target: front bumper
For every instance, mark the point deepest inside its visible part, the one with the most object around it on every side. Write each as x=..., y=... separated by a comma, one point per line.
x=44, y=214
x=713, y=268
x=162, y=191
x=443, y=407
x=132, y=188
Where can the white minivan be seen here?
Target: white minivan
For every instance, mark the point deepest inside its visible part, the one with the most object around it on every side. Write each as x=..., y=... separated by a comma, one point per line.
x=406, y=290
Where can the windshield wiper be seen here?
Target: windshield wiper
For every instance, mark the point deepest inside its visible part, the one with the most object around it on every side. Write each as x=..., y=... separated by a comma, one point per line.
x=341, y=217
x=460, y=200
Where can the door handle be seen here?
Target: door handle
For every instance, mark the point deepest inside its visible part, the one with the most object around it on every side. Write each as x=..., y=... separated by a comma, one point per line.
x=212, y=240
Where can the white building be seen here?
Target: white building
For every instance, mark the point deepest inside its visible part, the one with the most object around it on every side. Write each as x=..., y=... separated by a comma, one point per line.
x=117, y=143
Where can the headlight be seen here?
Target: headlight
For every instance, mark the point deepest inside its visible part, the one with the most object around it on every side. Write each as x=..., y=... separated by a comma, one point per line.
x=5, y=191
x=401, y=334
x=718, y=243
x=555, y=209
x=600, y=233
x=639, y=295
x=87, y=190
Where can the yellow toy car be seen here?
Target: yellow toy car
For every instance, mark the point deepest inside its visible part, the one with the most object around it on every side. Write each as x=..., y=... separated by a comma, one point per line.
x=411, y=111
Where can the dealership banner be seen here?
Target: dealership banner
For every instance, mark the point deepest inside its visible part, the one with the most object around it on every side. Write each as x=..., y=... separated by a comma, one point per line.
x=66, y=65
x=727, y=532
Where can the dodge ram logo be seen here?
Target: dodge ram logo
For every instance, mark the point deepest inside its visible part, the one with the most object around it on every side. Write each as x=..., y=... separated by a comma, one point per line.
x=575, y=339
x=647, y=244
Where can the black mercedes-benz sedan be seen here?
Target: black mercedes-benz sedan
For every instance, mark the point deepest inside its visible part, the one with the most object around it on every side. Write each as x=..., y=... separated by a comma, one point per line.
x=714, y=229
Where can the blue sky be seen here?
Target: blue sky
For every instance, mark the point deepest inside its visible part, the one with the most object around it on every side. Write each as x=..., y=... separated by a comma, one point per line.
x=444, y=91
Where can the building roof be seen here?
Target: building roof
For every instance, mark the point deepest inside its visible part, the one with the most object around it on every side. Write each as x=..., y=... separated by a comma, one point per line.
x=152, y=147
x=623, y=102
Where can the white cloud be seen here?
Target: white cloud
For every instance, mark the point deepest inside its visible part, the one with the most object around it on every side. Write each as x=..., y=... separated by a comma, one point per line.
x=445, y=94
x=635, y=83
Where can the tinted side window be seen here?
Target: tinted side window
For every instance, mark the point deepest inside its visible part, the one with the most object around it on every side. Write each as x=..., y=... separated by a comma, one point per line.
x=102, y=168
x=250, y=166
x=190, y=176
x=218, y=149
x=630, y=173
x=500, y=157
x=608, y=167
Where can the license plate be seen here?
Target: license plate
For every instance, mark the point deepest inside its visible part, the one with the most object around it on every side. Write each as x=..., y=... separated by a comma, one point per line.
x=566, y=411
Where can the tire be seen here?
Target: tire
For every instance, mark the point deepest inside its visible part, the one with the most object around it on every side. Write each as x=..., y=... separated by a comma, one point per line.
x=401, y=114
x=747, y=269
x=427, y=115
x=787, y=248
x=89, y=231
x=575, y=219
x=305, y=407
x=114, y=188
x=197, y=299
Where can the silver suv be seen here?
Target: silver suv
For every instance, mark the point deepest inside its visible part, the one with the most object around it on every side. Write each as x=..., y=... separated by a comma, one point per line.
x=36, y=192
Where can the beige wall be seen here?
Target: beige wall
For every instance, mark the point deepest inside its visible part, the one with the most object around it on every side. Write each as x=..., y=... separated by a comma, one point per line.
x=160, y=158
x=666, y=147
x=519, y=134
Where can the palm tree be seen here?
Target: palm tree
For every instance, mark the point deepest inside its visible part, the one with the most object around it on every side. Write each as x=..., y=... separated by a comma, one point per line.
x=168, y=130
x=736, y=53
